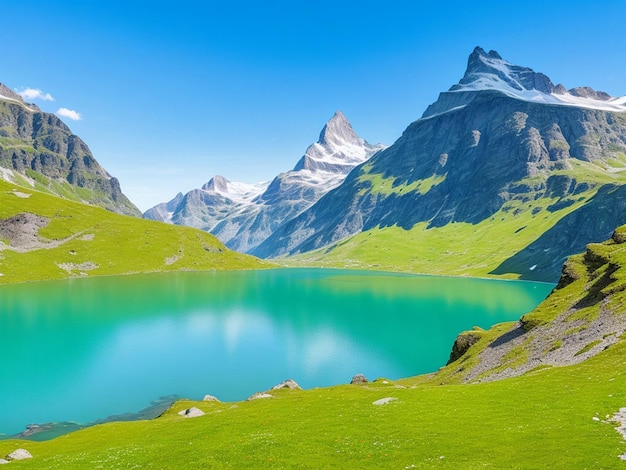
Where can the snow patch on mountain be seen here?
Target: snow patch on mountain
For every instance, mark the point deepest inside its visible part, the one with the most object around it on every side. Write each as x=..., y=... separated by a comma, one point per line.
x=489, y=71
x=238, y=192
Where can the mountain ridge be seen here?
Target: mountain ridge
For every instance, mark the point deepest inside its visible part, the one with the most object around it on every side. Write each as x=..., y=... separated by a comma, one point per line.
x=477, y=155
x=38, y=149
x=243, y=215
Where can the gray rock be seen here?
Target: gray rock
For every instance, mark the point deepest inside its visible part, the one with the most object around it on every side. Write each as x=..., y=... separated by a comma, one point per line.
x=3, y=461
x=359, y=379
x=192, y=412
x=259, y=395
x=210, y=398
x=384, y=401
x=19, y=454
x=289, y=383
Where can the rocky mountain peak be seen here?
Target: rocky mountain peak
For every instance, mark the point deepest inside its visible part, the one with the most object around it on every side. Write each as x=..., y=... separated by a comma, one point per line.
x=489, y=72
x=8, y=93
x=489, y=69
x=217, y=184
x=338, y=130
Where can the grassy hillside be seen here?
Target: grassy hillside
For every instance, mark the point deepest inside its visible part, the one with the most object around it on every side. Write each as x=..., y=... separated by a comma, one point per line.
x=549, y=417
x=556, y=418
x=483, y=249
x=61, y=239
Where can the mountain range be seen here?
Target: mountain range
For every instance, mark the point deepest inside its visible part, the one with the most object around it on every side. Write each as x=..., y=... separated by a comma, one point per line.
x=242, y=216
x=505, y=174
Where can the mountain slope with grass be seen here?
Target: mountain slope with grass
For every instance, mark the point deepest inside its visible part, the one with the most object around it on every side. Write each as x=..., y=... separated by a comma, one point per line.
x=584, y=316
x=46, y=237
x=38, y=150
x=505, y=175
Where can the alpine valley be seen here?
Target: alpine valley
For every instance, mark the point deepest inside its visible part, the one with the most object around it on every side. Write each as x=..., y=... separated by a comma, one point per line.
x=505, y=175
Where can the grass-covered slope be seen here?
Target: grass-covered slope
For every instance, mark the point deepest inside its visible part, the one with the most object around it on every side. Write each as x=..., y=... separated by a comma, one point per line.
x=45, y=237
x=548, y=417
x=558, y=418
x=523, y=239
x=585, y=315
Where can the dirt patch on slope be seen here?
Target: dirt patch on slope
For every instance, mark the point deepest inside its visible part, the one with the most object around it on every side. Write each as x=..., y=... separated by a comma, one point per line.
x=22, y=231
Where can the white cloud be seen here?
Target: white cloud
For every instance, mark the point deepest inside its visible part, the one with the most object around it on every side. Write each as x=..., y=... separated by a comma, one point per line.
x=34, y=94
x=69, y=113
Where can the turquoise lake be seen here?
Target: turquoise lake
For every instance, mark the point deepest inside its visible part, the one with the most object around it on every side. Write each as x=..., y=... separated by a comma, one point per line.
x=84, y=349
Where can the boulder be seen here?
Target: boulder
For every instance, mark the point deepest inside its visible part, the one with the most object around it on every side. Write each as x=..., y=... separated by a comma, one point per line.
x=259, y=395
x=3, y=461
x=463, y=342
x=359, y=379
x=384, y=401
x=210, y=398
x=19, y=454
x=192, y=412
x=289, y=383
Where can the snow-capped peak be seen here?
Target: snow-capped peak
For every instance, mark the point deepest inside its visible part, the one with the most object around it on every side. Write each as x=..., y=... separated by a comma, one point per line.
x=338, y=149
x=489, y=71
x=239, y=192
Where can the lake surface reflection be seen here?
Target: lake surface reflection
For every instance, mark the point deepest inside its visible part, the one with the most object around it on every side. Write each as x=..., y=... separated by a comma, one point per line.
x=84, y=349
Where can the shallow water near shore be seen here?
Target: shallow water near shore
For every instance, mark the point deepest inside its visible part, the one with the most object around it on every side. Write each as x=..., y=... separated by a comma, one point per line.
x=84, y=349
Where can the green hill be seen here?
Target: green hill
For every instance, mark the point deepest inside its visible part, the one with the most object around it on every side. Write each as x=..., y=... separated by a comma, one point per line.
x=45, y=237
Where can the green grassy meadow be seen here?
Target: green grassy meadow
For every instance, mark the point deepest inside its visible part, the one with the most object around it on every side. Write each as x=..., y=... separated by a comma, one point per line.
x=115, y=244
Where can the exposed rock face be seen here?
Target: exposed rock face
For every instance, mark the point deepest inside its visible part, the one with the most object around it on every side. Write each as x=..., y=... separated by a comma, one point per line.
x=242, y=216
x=35, y=143
x=462, y=343
x=489, y=140
x=581, y=317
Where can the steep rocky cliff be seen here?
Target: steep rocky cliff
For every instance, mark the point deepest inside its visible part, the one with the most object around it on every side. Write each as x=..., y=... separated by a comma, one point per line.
x=39, y=150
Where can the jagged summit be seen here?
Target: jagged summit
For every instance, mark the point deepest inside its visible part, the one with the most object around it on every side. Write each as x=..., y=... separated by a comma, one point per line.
x=338, y=149
x=9, y=95
x=338, y=130
x=489, y=72
x=217, y=183
x=239, y=192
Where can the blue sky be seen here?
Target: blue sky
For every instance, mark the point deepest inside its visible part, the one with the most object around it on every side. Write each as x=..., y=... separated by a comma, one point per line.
x=171, y=93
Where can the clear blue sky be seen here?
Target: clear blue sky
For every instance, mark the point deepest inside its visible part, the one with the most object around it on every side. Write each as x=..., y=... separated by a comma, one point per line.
x=171, y=93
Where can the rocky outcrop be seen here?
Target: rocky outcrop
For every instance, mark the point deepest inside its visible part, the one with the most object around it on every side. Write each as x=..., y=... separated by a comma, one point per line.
x=359, y=379
x=582, y=317
x=462, y=343
x=40, y=147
